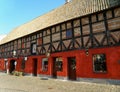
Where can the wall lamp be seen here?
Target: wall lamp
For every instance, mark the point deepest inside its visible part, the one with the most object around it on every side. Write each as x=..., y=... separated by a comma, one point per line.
x=14, y=53
x=25, y=58
x=47, y=54
x=86, y=51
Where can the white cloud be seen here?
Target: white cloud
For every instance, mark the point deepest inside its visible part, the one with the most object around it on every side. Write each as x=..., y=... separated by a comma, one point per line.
x=2, y=36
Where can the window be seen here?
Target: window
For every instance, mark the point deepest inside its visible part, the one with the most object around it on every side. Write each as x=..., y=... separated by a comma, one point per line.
x=99, y=63
x=69, y=33
x=44, y=64
x=59, y=64
x=33, y=48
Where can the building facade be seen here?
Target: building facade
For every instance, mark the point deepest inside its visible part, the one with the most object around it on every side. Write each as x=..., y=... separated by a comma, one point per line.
x=81, y=39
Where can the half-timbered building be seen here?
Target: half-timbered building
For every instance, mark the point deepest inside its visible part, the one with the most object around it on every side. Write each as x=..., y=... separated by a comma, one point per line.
x=80, y=39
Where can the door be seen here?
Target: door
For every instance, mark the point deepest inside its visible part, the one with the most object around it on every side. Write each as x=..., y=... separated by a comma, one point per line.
x=72, y=68
x=12, y=65
x=54, y=68
x=6, y=64
x=35, y=67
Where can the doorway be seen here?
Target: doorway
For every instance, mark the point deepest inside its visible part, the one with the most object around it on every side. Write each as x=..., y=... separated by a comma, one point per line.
x=72, y=68
x=12, y=66
x=35, y=67
x=6, y=66
x=54, y=68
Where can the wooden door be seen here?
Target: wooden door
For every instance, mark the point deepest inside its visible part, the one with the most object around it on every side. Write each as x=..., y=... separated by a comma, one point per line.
x=35, y=67
x=12, y=66
x=72, y=68
x=54, y=68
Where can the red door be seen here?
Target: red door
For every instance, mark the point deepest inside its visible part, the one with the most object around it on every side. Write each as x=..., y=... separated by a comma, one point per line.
x=72, y=68
x=35, y=67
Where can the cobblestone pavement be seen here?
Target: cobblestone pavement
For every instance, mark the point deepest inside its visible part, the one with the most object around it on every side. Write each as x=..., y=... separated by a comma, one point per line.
x=10, y=83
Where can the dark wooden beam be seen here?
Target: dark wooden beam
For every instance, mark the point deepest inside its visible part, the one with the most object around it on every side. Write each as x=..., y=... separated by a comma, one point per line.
x=81, y=32
x=91, y=32
x=107, y=34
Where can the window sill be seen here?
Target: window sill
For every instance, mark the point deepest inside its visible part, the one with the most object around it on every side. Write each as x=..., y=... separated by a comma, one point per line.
x=100, y=72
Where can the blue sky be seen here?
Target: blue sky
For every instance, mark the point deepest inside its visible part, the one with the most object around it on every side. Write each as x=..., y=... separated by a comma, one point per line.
x=14, y=13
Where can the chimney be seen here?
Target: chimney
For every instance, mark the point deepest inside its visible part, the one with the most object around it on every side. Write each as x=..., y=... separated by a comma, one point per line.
x=67, y=1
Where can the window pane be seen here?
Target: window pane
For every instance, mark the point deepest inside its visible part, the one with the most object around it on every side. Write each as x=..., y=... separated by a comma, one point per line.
x=59, y=64
x=44, y=64
x=33, y=48
x=69, y=33
x=99, y=63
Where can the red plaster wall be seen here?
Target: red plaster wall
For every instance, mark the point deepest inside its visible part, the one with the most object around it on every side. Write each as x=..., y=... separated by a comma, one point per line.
x=84, y=67
x=1, y=64
x=84, y=64
x=29, y=65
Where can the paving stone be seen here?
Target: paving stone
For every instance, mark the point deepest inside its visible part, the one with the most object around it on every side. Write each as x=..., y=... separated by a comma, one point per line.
x=9, y=83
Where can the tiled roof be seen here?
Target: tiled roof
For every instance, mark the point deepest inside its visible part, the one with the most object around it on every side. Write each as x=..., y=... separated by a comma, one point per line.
x=70, y=10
